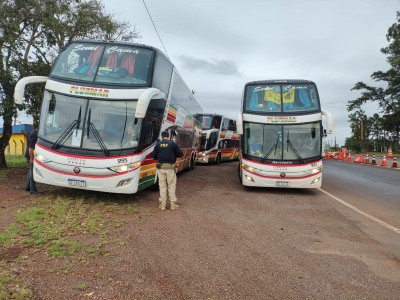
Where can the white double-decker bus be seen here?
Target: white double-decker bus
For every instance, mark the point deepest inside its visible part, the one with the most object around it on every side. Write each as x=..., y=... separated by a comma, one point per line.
x=219, y=139
x=105, y=105
x=281, y=134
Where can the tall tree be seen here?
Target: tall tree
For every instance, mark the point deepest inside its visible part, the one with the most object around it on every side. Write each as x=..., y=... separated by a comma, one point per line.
x=32, y=33
x=388, y=97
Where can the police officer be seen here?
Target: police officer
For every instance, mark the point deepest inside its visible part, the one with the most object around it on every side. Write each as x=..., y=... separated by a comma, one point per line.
x=29, y=155
x=166, y=152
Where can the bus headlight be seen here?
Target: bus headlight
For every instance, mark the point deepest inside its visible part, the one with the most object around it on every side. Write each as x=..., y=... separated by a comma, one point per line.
x=314, y=171
x=126, y=168
x=316, y=180
x=249, y=178
x=124, y=182
x=41, y=158
x=247, y=168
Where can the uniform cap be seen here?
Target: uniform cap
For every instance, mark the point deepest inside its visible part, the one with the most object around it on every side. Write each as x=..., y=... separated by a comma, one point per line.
x=164, y=134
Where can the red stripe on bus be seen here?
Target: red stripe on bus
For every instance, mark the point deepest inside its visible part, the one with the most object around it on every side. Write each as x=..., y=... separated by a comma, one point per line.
x=85, y=157
x=284, y=178
x=82, y=175
x=282, y=165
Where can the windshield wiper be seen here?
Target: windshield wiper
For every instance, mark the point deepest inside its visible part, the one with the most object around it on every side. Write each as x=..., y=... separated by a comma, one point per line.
x=68, y=132
x=274, y=147
x=90, y=126
x=290, y=144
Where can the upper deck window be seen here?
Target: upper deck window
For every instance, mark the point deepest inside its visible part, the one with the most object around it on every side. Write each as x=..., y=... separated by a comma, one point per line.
x=111, y=64
x=209, y=121
x=265, y=98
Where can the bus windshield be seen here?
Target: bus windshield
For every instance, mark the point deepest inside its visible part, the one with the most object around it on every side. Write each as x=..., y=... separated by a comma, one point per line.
x=87, y=123
x=278, y=97
x=297, y=142
x=100, y=63
x=209, y=121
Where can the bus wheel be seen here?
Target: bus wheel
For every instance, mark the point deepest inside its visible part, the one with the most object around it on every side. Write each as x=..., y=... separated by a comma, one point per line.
x=192, y=162
x=218, y=159
x=240, y=173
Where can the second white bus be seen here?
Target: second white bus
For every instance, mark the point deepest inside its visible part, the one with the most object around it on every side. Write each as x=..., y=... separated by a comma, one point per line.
x=281, y=134
x=219, y=139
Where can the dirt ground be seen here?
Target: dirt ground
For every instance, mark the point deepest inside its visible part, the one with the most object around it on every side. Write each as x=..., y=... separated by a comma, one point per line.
x=225, y=242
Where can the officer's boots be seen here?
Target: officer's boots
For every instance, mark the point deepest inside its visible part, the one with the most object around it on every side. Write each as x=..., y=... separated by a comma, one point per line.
x=162, y=206
x=174, y=206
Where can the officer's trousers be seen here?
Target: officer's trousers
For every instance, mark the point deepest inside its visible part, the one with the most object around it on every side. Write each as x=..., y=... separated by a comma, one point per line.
x=167, y=183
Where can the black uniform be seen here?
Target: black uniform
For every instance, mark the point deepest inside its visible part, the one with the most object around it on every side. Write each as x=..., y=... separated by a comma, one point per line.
x=30, y=182
x=166, y=152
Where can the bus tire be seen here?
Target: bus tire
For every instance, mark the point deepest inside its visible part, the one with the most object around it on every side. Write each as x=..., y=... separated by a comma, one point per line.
x=218, y=159
x=240, y=173
x=192, y=162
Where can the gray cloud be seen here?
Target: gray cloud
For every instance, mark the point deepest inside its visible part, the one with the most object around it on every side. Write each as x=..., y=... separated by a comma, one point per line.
x=214, y=66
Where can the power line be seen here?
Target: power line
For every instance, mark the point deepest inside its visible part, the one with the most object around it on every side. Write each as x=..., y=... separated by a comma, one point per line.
x=154, y=25
x=216, y=96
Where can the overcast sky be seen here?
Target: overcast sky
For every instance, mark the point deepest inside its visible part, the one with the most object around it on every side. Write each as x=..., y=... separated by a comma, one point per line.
x=219, y=45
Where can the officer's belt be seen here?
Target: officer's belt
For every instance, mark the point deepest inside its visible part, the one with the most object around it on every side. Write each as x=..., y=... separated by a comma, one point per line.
x=166, y=166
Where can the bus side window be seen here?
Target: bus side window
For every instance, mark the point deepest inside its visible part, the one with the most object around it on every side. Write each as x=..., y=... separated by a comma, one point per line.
x=222, y=144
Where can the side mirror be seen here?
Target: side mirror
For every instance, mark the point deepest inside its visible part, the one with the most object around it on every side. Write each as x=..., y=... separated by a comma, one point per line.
x=52, y=104
x=313, y=134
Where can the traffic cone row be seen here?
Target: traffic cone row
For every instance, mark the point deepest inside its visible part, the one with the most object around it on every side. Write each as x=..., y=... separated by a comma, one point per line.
x=360, y=159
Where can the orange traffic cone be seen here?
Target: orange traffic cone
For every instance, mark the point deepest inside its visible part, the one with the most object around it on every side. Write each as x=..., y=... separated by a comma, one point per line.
x=383, y=162
x=373, y=162
x=366, y=160
x=394, y=164
x=349, y=158
x=361, y=159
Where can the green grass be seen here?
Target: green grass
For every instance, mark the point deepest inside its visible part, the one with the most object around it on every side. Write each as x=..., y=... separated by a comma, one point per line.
x=52, y=223
x=10, y=286
x=75, y=225
x=7, y=237
x=16, y=161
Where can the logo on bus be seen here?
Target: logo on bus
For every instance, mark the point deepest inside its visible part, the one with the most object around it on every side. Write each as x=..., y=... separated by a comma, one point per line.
x=77, y=170
x=88, y=91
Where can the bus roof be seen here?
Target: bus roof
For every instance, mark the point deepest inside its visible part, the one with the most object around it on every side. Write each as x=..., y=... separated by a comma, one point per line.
x=280, y=81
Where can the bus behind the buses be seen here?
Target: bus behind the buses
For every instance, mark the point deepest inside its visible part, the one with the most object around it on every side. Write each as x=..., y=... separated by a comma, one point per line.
x=219, y=139
x=281, y=134
x=105, y=105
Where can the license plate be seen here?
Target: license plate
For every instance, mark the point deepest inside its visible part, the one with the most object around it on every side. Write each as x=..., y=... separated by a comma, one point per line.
x=78, y=183
x=283, y=183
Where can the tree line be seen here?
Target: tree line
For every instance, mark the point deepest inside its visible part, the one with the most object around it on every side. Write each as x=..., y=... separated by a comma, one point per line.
x=32, y=33
x=380, y=130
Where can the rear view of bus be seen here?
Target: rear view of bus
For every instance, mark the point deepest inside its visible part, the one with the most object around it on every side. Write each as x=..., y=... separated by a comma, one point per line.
x=281, y=128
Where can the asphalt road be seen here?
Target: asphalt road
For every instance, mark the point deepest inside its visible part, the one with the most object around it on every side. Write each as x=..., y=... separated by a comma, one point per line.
x=369, y=195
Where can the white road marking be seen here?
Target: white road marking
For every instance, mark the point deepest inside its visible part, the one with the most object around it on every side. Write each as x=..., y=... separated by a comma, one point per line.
x=397, y=230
